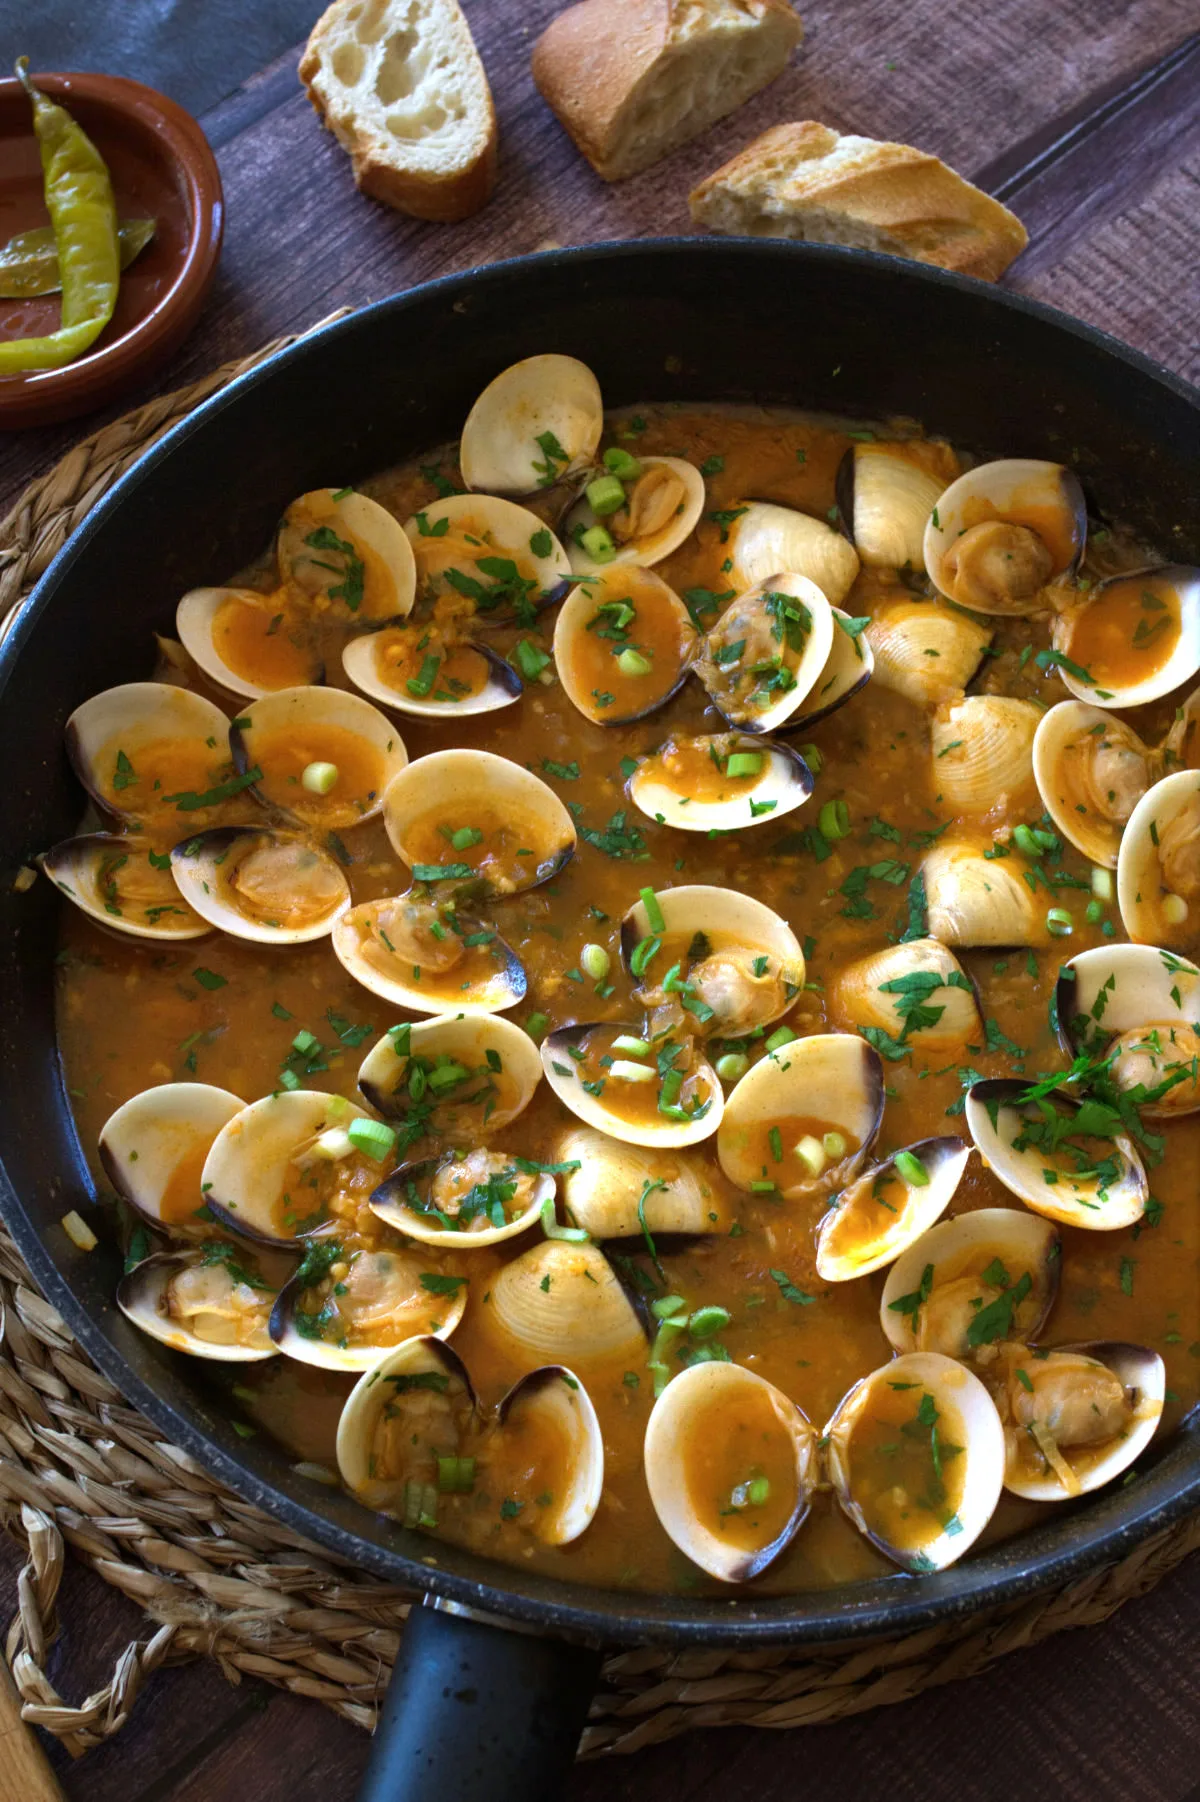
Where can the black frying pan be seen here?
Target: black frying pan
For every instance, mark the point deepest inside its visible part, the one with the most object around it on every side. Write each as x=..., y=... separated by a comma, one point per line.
x=493, y=1683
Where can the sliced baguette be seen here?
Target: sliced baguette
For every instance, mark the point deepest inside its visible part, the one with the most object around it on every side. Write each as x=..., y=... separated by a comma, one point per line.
x=400, y=85
x=633, y=79
x=806, y=181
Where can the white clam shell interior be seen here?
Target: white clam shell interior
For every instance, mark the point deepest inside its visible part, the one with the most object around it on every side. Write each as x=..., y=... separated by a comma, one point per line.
x=1023, y=491
x=360, y=660
x=652, y=547
x=416, y=1311
x=502, y=1058
x=377, y=540
x=152, y=1135
x=960, y=1248
x=848, y=668
x=563, y=1075
x=124, y=720
x=783, y=783
x=90, y=870
x=480, y=527
x=246, y=1172
x=563, y=1408
x=806, y=666
x=996, y=1118
x=1150, y=596
x=549, y=394
x=206, y=869
x=468, y=788
x=1079, y=755
x=1162, y=837
x=884, y=1211
x=368, y=943
x=389, y=1203
x=195, y=621
x=731, y=922
x=319, y=719
x=833, y=1078
x=140, y=1297
x=661, y=630
x=378, y=1392
x=1143, y=1375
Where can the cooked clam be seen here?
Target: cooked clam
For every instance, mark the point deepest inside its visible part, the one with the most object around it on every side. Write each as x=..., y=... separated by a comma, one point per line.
x=146, y=749
x=581, y=1314
x=274, y=888
x=884, y=1210
x=1002, y=532
x=286, y=1166
x=458, y=1077
x=475, y=1198
x=711, y=960
x=431, y=671
x=639, y=516
x=248, y=642
x=802, y=1121
x=427, y=958
x=547, y=1443
x=1091, y=772
x=321, y=756
x=916, y=993
x=470, y=817
x=886, y=493
x=731, y=1465
x=848, y=668
x=763, y=658
x=537, y=423
x=348, y=555
x=982, y=748
x=976, y=900
x=1139, y=1009
x=1077, y=1416
x=916, y=1455
x=615, y=1187
x=657, y=1092
x=1133, y=638
x=925, y=652
x=500, y=559
x=153, y=1150
x=123, y=884
x=988, y=1275
x=764, y=538
x=1158, y=866
x=411, y=1410
x=719, y=782
x=1066, y=1159
x=211, y=1303
x=342, y=1307
x=622, y=645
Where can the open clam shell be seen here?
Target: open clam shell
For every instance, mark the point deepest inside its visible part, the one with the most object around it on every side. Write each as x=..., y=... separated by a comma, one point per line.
x=972, y=899
x=1076, y=1416
x=460, y=1076
x=925, y=652
x=615, y=1187
x=426, y=958
x=153, y=1150
x=1003, y=531
x=463, y=1200
x=663, y=504
x=982, y=751
x=348, y=554
x=988, y=1275
x=210, y=1303
x=547, y=1431
x=472, y=818
x=414, y=1405
x=273, y=888
x=731, y=1465
x=449, y=678
x=581, y=1315
x=764, y=537
x=137, y=747
x=246, y=642
x=622, y=644
x=1091, y=771
x=886, y=990
x=1140, y=1007
x=728, y=962
x=1135, y=638
x=275, y=1170
x=289, y=738
x=501, y=559
x=916, y=1455
x=117, y=882
x=343, y=1311
x=537, y=423
x=633, y=1095
x=687, y=783
x=1158, y=865
x=802, y=1121
x=848, y=668
x=767, y=652
x=1056, y=1167
x=886, y=493
x=888, y=1207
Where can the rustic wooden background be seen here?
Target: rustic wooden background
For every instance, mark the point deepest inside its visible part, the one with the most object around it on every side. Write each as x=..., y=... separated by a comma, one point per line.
x=1084, y=115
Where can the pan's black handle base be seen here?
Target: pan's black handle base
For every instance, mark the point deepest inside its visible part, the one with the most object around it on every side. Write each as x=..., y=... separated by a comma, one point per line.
x=479, y=1713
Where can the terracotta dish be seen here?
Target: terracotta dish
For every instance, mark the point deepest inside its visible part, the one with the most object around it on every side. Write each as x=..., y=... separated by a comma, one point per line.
x=161, y=165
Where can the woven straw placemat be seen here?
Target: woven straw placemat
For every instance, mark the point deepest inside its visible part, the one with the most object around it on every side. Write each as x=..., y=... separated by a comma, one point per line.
x=219, y=1579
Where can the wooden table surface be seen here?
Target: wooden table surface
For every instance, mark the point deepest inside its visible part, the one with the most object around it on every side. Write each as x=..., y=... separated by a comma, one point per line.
x=1084, y=116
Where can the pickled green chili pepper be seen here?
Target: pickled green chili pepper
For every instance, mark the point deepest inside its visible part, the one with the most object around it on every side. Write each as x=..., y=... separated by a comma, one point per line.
x=79, y=199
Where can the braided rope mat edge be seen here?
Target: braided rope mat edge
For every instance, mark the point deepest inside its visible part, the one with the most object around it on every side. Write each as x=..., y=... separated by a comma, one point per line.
x=217, y=1578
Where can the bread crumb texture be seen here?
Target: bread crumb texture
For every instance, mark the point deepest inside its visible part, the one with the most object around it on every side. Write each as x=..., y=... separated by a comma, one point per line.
x=400, y=85
x=806, y=181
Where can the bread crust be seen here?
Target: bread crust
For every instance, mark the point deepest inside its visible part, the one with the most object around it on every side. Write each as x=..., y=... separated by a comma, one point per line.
x=431, y=194
x=903, y=200
x=592, y=59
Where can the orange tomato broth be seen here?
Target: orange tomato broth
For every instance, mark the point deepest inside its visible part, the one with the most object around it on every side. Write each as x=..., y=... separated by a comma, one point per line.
x=510, y=849
x=766, y=1151
x=1128, y=632
x=727, y=1453
x=267, y=641
x=161, y=768
x=129, y=1017
x=284, y=754
x=1038, y=516
x=694, y=771
x=400, y=653
x=907, y=1488
x=655, y=633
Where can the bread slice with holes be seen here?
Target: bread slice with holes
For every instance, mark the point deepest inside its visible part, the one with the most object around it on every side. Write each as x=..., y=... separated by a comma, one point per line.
x=807, y=181
x=633, y=79
x=400, y=85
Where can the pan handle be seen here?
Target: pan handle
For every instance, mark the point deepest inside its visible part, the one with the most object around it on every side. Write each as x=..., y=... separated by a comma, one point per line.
x=478, y=1711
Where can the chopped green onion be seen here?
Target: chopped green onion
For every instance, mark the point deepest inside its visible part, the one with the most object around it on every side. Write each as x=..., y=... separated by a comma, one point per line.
x=631, y=662
x=654, y=912
x=811, y=1153
x=1059, y=923
x=813, y=757
x=374, y=1138
x=594, y=961
x=1094, y=912
x=536, y=1026
x=732, y=1066
x=320, y=778
x=605, y=495
x=628, y=1046
x=619, y=463
x=1102, y=884
x=598, y=544
x=456, y=1476
x=835, y=1145
x=782, y=1035
x=743, y=763
x=1174, y=910
x=666, y=1306
x=465, y=837
x=644, y=953
x=1024, y=840
x=758, y=1489
x=912, y=1169
x=531, y=660
x=623, y=1070
x=707, y=1321
x=306, y=1042
x=834, y=820
x=575, y=1235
